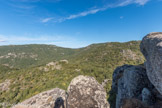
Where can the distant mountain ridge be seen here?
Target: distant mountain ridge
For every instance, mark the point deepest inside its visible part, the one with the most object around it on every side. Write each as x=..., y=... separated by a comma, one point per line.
x=21, y=56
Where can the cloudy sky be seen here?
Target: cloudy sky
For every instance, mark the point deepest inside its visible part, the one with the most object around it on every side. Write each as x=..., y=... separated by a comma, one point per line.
x=77, y=23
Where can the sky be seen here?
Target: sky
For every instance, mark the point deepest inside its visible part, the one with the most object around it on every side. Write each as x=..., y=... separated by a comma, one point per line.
x=77, y=23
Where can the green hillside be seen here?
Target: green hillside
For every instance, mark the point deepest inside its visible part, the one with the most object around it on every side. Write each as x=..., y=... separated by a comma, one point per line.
x=22, y=56
x=56, y=67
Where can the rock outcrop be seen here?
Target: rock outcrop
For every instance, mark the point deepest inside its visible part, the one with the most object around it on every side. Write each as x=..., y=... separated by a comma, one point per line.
x=86, y=92
x=141, y=86
x=151, y=47
x=83, y=92
x=55, y=98
x=128, y=82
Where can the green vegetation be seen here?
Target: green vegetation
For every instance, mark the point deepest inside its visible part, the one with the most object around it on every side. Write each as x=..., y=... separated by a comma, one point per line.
x=29, y=74
x=25, y=56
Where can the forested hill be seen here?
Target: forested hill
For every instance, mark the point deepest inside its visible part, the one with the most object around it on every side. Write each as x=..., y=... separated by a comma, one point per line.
x=22, y=56
x=30, y=69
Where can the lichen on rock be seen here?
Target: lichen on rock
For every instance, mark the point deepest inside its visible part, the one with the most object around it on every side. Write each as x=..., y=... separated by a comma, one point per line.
x=55, y=98
x=86, y=92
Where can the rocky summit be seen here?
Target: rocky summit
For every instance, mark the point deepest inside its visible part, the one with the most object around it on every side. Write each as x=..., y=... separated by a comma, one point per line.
x=140, y=86
x=83, y=92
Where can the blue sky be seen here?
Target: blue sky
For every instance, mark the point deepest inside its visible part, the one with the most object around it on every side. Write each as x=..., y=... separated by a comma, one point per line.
x=77, y=23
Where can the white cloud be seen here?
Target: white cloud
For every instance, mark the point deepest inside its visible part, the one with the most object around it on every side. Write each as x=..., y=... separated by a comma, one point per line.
x=124, y=3
x=25, y=0
x=93, y=11
x=128, y=2
x=2, y=41
x=141, y=2
x=22, y=6
x=28, y=4
x=35, y=38
x=117, y=3
x=63, y=41
x=83, y=14
x=43, y=38
x=34, y=1
x=46, y=20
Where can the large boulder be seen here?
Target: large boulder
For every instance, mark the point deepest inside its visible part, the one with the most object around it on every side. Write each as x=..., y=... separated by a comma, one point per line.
x=86, y=92
x=151, y=47
x=55, y=98
x=128, y=82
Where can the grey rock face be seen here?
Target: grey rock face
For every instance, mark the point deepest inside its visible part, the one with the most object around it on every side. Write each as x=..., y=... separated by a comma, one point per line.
x=55, y=98
x=117, y=74
x=147, y=97
x=151, y=47
x=86, y=92
x=131, y=83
